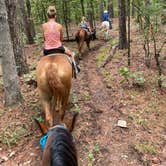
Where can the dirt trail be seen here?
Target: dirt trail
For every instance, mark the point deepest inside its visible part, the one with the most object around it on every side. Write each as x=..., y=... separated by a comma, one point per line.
x=101, y=129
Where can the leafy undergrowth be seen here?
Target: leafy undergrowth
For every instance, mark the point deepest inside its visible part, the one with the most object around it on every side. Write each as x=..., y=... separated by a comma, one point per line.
x=135, y=94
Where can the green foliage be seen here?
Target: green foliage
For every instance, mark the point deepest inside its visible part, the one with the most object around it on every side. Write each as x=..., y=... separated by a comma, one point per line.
x=1, y=84
x=87, y=96
x=2, y=111
x=101, y=58
x=74, y=12
x=132, y=77
x=76, y=108
x=145, y=148
x=74, y=98
x=138, y=119
x=12, y=134
x=39, y=119
x=114, y=41
x=91, y=158
x=163, y=80
x=96, y=148
x=24, y=38
x=30, y=76
x=38, y=39
x=92, y=154
x=138, y=77
x=141, y=121
x=124, y=71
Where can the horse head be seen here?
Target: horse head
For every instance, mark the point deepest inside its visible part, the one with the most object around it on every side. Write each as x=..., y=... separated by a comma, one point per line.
x=58, y=145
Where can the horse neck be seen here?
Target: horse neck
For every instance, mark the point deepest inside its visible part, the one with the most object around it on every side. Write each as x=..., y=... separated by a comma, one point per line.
x=62, y=150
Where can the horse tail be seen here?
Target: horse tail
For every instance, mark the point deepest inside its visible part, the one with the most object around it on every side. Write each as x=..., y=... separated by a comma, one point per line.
x=56, y=86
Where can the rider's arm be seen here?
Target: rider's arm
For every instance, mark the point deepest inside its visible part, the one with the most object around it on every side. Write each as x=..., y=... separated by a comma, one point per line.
x=43, y=31
x=61, y=33
x=88, y=25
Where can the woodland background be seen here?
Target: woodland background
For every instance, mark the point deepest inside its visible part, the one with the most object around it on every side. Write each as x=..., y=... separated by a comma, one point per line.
x=121, y=78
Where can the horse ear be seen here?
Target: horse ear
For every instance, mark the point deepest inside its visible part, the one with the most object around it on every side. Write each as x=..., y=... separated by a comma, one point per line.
x=43, y=127
x=72, y=124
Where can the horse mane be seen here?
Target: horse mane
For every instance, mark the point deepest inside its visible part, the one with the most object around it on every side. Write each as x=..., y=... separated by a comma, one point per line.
x=62, y=150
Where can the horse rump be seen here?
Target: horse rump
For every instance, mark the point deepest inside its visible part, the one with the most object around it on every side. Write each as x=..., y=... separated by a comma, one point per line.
x=62, y=149
x=54, y=81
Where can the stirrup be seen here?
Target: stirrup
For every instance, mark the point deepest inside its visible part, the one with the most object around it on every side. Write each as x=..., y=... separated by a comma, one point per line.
x=76, y=70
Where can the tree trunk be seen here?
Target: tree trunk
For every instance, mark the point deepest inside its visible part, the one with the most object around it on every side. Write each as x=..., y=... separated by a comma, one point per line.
x=22, y=67
x=133, y=8
x=111, y=8
x=122, y=25
x=93, y=15
x=44, y=11
x=10, y=79
x=26, y=23
x=129, y=58
x=163, y=15
x=82, y=7
x=101, y=9
x=64, y=6
x=147, y=3
x=30, y=19
x=39, y=14
x=138, y=13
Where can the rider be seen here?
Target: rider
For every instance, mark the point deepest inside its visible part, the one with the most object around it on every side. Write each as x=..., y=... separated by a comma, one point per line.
x=106, y=17
x=84, y=24
x=53, y=37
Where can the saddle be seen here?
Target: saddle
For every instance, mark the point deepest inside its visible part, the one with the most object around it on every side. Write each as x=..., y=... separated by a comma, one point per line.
x=87, y=30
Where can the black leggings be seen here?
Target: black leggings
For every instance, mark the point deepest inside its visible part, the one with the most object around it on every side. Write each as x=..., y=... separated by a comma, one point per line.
x=60, y=49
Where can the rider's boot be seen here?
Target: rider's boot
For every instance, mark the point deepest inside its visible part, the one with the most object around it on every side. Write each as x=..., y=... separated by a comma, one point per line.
x=76, y=67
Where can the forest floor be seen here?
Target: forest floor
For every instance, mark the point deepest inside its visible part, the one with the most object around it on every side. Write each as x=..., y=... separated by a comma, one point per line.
x=102, y=98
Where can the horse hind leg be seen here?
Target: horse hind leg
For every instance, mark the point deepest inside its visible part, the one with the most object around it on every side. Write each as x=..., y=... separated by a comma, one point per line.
x=46, y=102
x=64, y=104
x=88, y=45
x=80, y=46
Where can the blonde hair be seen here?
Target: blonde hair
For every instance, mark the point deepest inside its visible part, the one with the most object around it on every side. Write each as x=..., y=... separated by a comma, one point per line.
x=51, y=11
x=84, y=18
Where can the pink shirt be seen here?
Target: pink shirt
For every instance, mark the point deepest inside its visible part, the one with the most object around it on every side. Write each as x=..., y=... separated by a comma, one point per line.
x=52, y=36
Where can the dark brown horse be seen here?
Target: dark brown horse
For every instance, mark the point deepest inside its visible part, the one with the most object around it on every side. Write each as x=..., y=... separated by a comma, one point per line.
x=81, y=36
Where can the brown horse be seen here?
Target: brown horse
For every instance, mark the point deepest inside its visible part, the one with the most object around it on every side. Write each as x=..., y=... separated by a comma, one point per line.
x=81, y=36
x=54, y=75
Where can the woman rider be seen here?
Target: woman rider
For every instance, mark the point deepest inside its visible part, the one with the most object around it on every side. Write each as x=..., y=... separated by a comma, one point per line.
x=53, y=36
x=106, y=17
x=84, y=24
